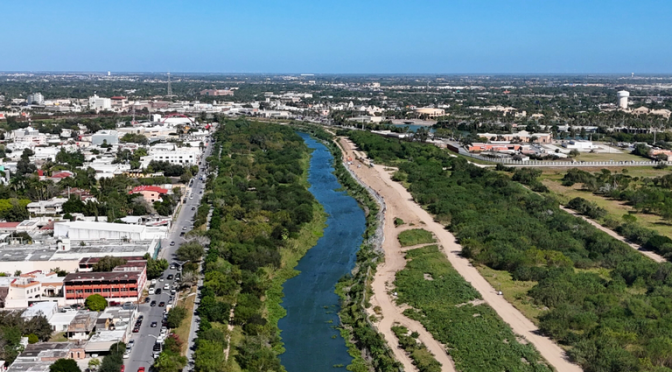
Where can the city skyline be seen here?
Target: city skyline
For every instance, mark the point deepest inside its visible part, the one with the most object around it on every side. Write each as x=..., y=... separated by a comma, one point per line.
x=516, y=37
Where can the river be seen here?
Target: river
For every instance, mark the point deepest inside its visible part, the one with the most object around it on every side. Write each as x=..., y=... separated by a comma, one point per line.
x=312, y=341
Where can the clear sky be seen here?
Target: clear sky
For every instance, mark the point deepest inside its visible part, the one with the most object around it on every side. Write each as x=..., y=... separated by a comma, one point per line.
x=344, y=36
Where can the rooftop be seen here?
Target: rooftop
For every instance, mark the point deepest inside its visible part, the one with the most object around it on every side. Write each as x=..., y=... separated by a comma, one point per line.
x=75, y=278
x=47, y=251
x=137, y=189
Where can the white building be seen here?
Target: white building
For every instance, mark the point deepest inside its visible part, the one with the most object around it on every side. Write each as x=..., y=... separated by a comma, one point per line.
x=110, y=137
x=579, y=145
x=35, y=98
x=623, y=99
x=174, y=155
x=20, y=292
x=82, y=230
x=106, y=168
x=47, y=207
x=27, y=138
x=98, y=103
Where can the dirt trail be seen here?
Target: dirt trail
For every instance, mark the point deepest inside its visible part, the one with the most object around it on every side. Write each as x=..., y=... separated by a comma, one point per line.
x=400, y=204
x=652, y=255
x=394, y=261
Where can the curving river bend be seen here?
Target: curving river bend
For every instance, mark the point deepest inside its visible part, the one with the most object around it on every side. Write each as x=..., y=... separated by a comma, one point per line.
x=309, y=332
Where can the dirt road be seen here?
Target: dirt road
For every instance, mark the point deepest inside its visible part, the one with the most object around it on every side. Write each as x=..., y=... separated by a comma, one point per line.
x=652, y=255
x=390, y=313
x=400, y=204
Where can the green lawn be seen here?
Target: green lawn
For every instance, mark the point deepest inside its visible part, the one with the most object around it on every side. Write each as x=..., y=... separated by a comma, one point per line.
x=514, y=291
x=415, y=236
x=615, y=208
x=615, y=156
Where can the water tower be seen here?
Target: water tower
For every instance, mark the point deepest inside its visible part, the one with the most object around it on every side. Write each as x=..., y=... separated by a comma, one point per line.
x=623, y=99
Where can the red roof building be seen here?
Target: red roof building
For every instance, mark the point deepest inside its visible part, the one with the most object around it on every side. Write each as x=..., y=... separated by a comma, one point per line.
x=150, y=193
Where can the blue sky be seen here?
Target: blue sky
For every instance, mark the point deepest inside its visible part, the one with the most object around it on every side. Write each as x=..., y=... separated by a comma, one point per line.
x=345, y=36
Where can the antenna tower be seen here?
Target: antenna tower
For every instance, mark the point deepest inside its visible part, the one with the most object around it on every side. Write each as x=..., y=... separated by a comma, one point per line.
x=170, y=90
x=133, y=122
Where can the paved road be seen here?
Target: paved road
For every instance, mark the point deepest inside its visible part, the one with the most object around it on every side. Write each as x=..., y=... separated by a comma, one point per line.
x=141, y=355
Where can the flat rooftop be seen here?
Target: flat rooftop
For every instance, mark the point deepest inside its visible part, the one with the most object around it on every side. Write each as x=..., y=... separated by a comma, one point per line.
x=48, y=252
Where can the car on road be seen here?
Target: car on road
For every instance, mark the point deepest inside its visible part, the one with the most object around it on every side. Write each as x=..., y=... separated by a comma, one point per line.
x=153, y=281
x=170, y=277
x=151, y=291
x=184, y=228
x=147, y=299
x=127, y=354
x=157, y=347
x=158, y=291
x=166, y=287
x=153, y=304
x=131, y=343
x=136, y=329
x=153, y=325
x=141, y=318
x=172, y=244
x=141, y=369
x=182, y=233
x=162, y=304
x=193, y=208
x=173, y=267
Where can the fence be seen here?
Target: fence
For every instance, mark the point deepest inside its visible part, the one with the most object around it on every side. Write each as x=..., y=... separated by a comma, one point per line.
x=553, y=163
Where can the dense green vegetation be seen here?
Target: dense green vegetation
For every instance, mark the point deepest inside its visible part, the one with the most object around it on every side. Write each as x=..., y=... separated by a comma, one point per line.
x=618, y=320
x=13, y=327
x=171, y=359
x=261, y=204
x=113, y=361
x=414, y=237
x=476, y=338
x=586, y=208
x=64, y=365
x=422, y=358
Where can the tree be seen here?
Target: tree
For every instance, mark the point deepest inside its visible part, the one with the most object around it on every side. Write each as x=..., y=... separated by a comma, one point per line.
x=64, y=365
x=94, y=364
x=96, y=302
x=574, y=153
x=191, y=251
x=32, y=338
x=107, y=263
x=155, y=267
x=175, y=316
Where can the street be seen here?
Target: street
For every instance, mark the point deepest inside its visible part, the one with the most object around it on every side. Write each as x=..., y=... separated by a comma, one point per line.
x=141, y=354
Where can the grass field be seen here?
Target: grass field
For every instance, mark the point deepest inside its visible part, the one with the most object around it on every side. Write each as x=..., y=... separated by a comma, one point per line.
x=415, y=236
x=513, y=291
x=605, y=156
x=452, y=311
x=615, y=208
x=186, y=300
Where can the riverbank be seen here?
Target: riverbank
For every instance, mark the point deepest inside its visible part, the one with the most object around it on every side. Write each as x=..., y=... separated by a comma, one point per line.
x=393, y=192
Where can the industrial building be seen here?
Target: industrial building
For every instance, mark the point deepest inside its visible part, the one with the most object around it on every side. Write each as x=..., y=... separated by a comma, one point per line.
x=83, y=230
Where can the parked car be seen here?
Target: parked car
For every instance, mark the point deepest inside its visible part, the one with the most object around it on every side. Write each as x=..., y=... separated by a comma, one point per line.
x=147, y=299
x=162, y=304
x=153, y=304
x=141, y=369
x=166, y=286
x=154, y=324
x=170, y=277
x=172, y=244
x=158, y=291
x=151, y=291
